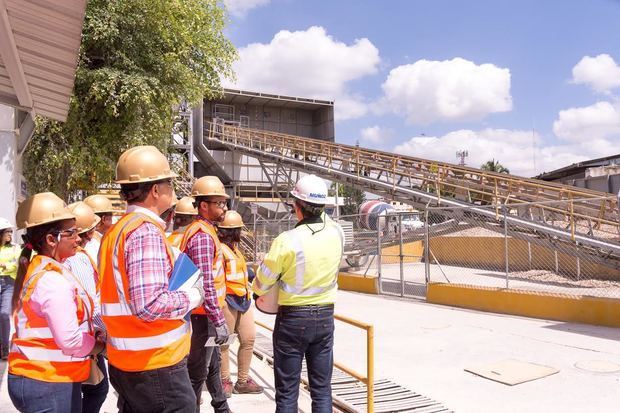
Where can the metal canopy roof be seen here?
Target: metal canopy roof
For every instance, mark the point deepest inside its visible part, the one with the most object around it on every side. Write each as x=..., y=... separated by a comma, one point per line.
x=232, y=96
x=39, y=46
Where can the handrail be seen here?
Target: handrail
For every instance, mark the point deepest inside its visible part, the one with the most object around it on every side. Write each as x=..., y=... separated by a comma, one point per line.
x=369, y=378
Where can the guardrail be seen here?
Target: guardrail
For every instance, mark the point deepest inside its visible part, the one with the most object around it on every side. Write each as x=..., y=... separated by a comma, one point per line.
x=369, y=378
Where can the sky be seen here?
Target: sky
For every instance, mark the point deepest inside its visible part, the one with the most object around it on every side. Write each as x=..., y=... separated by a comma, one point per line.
x=534, y=85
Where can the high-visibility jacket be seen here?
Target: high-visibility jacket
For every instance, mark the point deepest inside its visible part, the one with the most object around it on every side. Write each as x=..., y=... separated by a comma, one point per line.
x=9, y=255
x=134, y=344
x=34, y=353
x=236, y=271
x=219, y=279
x=304, y=263
x=175, y=238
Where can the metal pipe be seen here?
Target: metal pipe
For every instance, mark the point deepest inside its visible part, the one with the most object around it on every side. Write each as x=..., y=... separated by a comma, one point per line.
x=506, y=244
x=427, y=246
x=400, y=254
x=370, y=369
x=379, y=253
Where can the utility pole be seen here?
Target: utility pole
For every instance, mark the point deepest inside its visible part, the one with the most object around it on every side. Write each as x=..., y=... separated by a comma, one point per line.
x=461, y=155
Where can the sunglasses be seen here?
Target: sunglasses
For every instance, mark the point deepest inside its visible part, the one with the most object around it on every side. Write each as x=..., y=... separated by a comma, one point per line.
x=67, y=233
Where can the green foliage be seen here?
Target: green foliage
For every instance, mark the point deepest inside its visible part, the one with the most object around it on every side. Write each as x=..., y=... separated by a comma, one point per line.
x=138, y=60
x=353, y=198
x=494, y=166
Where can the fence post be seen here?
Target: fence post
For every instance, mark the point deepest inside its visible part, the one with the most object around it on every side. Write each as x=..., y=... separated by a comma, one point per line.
x=400, y=254
x=254, y=213
x=427, y=246
x=506, y=244
x=379, y=253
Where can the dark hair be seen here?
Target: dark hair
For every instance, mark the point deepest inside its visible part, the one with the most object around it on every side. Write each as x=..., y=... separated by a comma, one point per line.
x=229, y=236
x=133, y=193
x=182, y=220
x=2, y=235
x=33, y=241
x=309, y=210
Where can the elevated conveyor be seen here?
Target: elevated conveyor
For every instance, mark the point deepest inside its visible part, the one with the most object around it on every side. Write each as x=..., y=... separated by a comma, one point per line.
x=548, y=212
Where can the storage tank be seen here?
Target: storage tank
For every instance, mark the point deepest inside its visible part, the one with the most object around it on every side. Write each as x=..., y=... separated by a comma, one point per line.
x=373, y=211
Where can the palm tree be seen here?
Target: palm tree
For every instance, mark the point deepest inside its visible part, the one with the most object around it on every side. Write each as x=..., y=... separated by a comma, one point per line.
x=494, y=166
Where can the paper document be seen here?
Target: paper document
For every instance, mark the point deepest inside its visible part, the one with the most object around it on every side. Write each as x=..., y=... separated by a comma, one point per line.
x=211, y=341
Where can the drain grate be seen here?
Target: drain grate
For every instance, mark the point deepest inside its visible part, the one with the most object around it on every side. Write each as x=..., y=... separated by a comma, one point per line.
x=349, y=394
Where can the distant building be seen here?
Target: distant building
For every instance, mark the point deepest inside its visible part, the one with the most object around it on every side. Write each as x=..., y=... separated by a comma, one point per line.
x=602, y=174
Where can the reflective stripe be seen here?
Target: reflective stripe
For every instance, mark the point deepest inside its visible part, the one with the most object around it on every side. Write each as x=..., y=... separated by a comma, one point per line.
x=118, y=278
x=44, y=354
x=306, y=291
x=265, y=270
x=261, y=286
x=115, y=309
x=152, y=342
x=300, y=261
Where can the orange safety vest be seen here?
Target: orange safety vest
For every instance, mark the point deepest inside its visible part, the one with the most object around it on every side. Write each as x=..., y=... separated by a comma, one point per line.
x=34, y=352
x=219, y=278
x=175, y=239
x=236, y=271
x=134, y=344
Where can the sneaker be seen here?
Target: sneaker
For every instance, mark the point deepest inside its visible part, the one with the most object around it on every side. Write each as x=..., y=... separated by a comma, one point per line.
x=249, y=387
x=228, y=387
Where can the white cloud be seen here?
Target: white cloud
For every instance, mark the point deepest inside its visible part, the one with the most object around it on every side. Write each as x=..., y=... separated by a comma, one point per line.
x=450, y=90
x=601, y=73
x=309, y=64
x=598, y=121
x=512, y=148
x=240, y=8
x=376, y=135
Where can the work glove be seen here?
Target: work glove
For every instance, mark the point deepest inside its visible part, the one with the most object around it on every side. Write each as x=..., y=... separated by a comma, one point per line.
x=221, y=334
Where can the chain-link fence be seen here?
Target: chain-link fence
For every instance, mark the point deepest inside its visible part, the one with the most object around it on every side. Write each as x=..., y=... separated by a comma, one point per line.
x=525, y=246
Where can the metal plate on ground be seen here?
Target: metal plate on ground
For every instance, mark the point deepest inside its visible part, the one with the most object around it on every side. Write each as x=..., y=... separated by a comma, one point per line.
x=512, y=372
x=598, y=366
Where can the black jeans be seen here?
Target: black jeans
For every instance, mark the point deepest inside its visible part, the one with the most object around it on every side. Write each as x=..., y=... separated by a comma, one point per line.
x=303, y=331
x=93, y=396
x=203, y=364
x=167, y=389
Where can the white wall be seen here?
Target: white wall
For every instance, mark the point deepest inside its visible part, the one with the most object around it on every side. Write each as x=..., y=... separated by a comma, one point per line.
x=9, y=164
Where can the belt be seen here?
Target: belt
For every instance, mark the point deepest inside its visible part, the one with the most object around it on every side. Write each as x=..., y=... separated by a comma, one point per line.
x=288, y=308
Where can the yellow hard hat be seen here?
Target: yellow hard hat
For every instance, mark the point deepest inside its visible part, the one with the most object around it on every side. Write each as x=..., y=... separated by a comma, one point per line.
x=209, y=186
x=100, y=204
x=40, y=209
x=185, y=206
x=142, y=164
x=85, y=216
x=232, y=219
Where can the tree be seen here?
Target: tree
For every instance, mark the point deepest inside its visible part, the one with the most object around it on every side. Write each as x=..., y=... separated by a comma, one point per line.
x=353, y=198
x=494, y=166
x=138, y=59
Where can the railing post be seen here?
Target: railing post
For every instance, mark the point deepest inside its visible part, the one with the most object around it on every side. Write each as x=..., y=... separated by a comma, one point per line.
x=427, y=247
x=400, y=254
x=379, y=253
x=506, y=244
x=370, y=369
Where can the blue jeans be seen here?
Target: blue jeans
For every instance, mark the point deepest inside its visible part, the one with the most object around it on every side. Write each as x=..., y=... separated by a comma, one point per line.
x=6, y=293
x=93, y=396
x=34, y=396
x=303, y=331
x=162, y=390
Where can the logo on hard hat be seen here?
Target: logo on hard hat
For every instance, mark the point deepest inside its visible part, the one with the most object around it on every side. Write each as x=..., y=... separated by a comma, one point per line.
x=315, y=195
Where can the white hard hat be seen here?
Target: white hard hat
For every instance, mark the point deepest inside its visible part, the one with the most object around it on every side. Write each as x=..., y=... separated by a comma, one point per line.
x=312, y=189
x=5, y=224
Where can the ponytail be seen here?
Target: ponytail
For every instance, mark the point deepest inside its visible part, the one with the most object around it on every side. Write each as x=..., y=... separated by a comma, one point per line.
x=22, y=268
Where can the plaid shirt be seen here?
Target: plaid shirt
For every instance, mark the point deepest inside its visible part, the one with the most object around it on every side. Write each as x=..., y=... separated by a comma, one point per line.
x=82, y=268
x=148, y=269
x=201, y=250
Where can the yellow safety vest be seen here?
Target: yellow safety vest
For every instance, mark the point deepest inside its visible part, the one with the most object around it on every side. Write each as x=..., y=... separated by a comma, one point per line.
x=304, y=265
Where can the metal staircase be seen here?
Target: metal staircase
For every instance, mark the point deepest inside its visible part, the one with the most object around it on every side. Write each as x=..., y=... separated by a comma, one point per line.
x=549, y=213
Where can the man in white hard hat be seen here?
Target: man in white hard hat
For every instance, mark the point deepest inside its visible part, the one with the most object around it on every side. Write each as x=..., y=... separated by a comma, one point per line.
x=303, y=265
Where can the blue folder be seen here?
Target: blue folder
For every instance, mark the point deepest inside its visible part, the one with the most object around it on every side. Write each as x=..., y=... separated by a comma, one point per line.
x=184, y=275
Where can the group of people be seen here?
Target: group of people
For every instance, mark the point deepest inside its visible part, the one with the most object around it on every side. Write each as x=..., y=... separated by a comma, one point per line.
x=91, y=300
